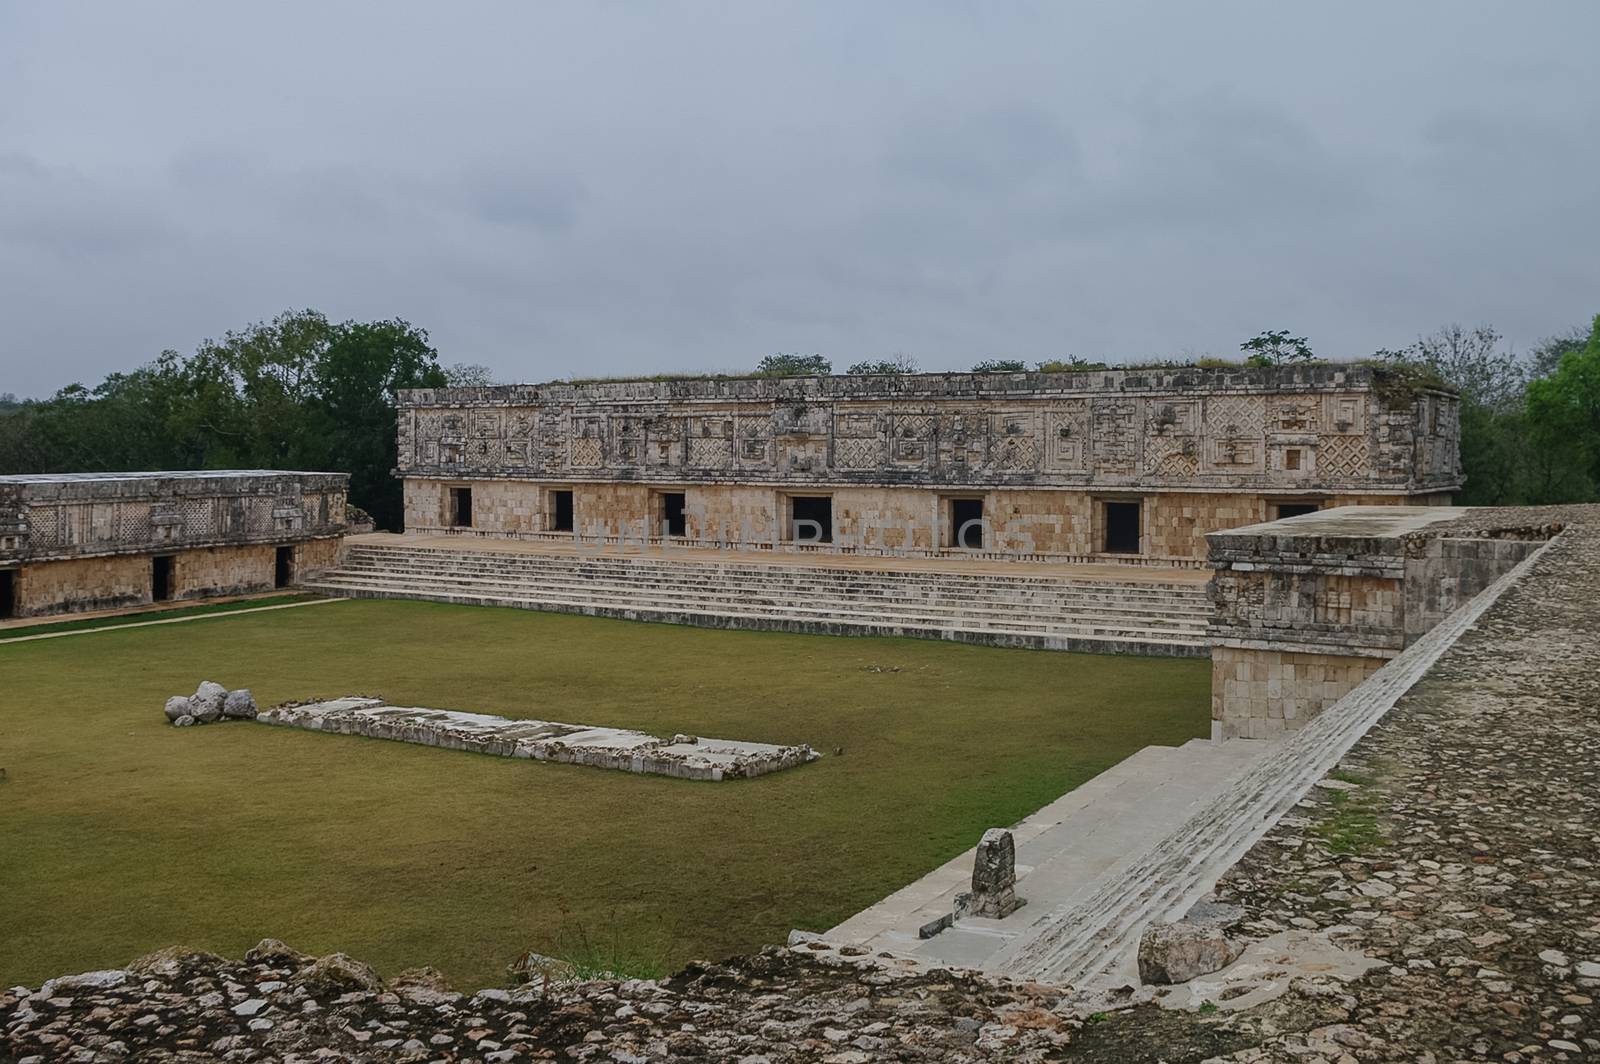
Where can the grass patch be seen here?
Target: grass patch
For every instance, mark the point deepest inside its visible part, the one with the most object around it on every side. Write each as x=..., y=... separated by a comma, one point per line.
x=144, y=616
x=1352, y=825
x=120, y=834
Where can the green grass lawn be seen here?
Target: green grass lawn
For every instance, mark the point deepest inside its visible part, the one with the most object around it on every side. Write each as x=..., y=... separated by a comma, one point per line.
x=120, y=834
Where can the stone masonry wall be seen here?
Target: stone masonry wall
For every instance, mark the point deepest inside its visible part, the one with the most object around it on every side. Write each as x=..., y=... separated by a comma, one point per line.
x=1306, y=607
x=80, y=515
x=1023, y=522
x=121, y=580
x=83, y=584
x=1265, y=694
x=1318, y=429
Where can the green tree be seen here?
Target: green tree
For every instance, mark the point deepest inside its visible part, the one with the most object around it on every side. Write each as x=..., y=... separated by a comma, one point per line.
x=1001, y=365
x=1547, y=353
x=356, y=382
x=469, y=375
x=1276, y=347
x=781, y=365
x=298, y=392
x=884, y=367
x=1564, y=414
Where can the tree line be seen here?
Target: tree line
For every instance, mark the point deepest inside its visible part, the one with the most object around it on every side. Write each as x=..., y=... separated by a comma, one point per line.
x=303, y=392
x=298, y=392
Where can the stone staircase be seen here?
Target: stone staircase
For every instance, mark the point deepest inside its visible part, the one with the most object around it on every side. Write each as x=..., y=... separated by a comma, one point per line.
x=1018, y=610
x=1145, y=840
x=1063, y=851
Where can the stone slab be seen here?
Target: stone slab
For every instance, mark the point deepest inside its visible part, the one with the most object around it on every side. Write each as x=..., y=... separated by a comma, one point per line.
x=682, y=756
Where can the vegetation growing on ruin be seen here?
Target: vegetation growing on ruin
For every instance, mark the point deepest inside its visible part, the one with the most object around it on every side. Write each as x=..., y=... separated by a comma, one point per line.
x=1351, y=824
x=128, y=835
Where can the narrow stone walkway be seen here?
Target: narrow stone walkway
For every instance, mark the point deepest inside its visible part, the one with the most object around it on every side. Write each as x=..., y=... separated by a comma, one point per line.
x=210, y=615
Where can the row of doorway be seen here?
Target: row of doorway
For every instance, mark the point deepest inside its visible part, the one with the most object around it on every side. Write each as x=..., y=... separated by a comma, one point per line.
x=162, y=585
x=810, y=518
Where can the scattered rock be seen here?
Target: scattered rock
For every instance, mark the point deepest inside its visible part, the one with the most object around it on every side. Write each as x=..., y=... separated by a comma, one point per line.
x=337, y=974
x=270, y=951
x=1179, y=952
x=205, y=705
x=178, y=706
x=239, y=705
x=779, y=1006
x=534, y=967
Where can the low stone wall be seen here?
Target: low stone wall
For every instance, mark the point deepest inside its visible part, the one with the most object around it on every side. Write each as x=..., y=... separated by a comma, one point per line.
x=682, y=756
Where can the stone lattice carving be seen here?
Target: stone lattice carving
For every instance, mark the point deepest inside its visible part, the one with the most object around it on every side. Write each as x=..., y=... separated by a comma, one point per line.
x=1149, y=429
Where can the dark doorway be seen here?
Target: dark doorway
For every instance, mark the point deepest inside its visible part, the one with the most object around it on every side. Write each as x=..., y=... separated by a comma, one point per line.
x=461, y=507
x=966, y=523
x=672, y=512
x=1122, y=527
x=1295, y=509
x=561, y=507
x=283, y=567
x=811, y=518
x=161, y=578
x=8, y=593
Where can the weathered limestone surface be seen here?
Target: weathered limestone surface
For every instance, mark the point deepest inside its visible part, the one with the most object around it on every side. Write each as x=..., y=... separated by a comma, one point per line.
x=1197, y=449
x=1307, y=607
x=86, y=541
x=683, y=756
x=994, y=879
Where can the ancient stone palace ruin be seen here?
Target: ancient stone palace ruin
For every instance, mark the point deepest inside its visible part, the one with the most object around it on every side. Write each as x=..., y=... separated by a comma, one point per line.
x=90, y=541
x=1119, y=465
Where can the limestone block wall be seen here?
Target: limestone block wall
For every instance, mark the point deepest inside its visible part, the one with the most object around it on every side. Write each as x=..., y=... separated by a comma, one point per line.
x=222, y=571
x=115, y=581
x=1023, y=522
x=79, y=515
x=1202, y=449
x=1307, y=607
x=104, y=583
x=1265, y=694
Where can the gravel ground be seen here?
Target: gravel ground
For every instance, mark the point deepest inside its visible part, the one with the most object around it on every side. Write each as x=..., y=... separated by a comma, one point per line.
x=1461, y=842
x=777, y=1006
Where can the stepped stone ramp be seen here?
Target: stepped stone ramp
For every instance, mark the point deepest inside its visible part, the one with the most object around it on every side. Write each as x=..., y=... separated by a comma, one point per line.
x=1005, y=604
x=1082, y=924
x=1063, y=850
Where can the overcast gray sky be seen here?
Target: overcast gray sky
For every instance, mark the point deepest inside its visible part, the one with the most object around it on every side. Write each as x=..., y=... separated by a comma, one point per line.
x=612, y=188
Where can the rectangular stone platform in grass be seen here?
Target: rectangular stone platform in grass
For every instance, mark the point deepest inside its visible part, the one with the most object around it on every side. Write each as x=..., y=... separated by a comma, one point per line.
x=682, y=756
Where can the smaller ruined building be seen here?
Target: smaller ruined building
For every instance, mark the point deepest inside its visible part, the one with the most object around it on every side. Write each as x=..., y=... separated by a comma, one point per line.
x=88, y=541
x=1107, y=465
x=1304, y=609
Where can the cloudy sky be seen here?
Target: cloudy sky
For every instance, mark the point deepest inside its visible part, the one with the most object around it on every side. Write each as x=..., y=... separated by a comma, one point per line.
x=603, y=187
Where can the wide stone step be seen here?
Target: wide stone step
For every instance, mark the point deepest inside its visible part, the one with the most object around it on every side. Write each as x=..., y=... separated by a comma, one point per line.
x=633, y=599
x=760, y=571
x=771, y=592
x=1134, y=642
x=997, y=591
